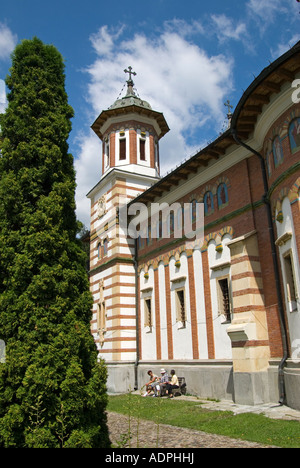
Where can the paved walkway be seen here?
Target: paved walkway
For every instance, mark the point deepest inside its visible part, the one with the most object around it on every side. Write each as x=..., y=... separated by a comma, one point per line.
x=146, y=434
x=271, y=410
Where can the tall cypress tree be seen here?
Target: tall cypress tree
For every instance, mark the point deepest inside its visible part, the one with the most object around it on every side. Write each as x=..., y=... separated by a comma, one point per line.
x=52, y=390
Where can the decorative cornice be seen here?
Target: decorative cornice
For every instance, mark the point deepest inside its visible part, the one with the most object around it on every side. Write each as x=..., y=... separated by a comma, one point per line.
x=221, y=266
x=283, y=239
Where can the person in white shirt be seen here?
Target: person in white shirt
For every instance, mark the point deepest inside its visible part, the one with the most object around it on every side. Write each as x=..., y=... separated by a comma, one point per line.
x=151, y=384
x=163, y=380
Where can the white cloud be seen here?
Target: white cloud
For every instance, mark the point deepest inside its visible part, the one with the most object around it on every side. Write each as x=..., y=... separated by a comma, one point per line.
x=183, y=28
x=265, y=9
x=2, y=96
x=88, y=170
x=175, y=76
x=8, y=42
x=282, y=48
x=275, y=23
x=226, y=29
x=103, y=40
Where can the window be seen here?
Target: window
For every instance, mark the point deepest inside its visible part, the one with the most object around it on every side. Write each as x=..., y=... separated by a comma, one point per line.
x=224, y=298
x=156, y=156
x=106, y=153
x=208, y=203
x=142, y=149
x=294, y=135
x=101, y=316
x=105, y=247
x=180, y=306
x=122, y=143
x=169, y=224
x=99, y=248
x=290, y=283
x=277, y=151
x=172, y=221
x=222, y=195
x=148, y=313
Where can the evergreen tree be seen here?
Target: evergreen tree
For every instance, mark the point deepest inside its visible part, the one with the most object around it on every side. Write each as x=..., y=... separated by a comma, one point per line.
x=52, y=390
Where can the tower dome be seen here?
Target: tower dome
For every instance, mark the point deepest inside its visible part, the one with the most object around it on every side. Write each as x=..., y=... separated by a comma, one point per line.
x=131, y=100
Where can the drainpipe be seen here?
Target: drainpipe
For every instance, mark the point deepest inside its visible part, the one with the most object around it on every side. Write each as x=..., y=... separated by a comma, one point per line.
x=135, y=260
x=265, y=199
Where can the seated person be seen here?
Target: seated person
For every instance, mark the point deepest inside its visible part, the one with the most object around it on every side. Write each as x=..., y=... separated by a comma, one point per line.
x=164, y=378
x=172, y=384
x=151, y=384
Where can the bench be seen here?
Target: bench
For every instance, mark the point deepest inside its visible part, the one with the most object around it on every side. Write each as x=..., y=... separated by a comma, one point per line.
x=182, y=387
x=177, y=391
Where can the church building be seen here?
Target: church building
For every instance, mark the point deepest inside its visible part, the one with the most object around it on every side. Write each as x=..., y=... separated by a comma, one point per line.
x=222, y=308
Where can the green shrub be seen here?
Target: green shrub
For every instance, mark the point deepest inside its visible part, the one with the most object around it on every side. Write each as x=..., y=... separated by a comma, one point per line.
x=52, y=390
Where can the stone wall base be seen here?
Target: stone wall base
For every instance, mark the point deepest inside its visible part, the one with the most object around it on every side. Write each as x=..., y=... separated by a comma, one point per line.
x=213, y=379
x=292, y=384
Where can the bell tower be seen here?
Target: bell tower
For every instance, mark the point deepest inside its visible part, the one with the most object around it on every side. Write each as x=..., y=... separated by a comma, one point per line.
x=130, y=131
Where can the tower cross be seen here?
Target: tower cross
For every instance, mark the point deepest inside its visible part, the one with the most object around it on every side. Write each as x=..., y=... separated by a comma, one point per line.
x=228, y=105
x=130, y=73
x=229, y=114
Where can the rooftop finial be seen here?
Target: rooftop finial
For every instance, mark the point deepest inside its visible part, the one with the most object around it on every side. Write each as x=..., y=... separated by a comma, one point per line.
x=130, y=83
x=229, y=114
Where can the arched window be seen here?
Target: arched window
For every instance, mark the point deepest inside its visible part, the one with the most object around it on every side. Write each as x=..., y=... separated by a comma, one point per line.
x=99, y=249
x=222, y=194
x=277, y=151
x=105, y=247
x=208, y=203
x=294, y=135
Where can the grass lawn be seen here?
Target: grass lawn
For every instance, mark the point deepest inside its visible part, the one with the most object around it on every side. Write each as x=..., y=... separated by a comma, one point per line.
x=190, y=414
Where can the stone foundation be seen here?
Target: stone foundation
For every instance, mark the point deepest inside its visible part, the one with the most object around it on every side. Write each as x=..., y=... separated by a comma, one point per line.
x=214, y=379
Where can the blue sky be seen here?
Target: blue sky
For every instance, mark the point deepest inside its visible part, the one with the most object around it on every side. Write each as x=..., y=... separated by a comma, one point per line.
x=190, y=57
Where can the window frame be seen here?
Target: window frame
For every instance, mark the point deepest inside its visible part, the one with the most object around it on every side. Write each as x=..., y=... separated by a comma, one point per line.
x=105, y=247
x=148, y=313
x=290, y=277
x=122, y=148
x=142, y=149
x=181, y=315
x=101, y=316
x=106, y=153
x=220, y=298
